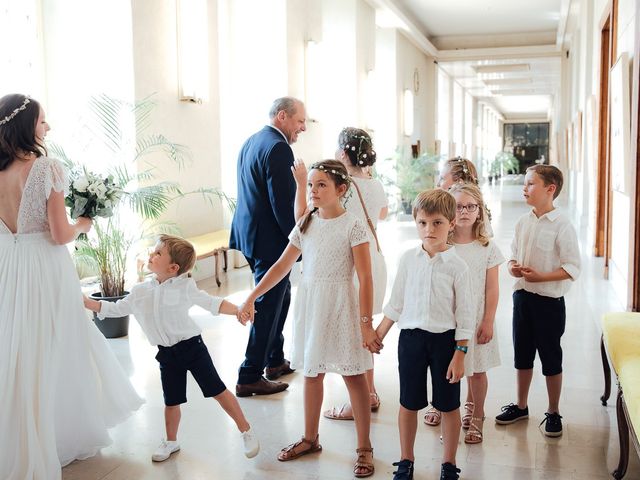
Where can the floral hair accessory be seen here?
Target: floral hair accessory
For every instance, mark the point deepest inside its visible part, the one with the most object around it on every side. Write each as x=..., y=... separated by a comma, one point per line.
x=334, y=172
x=9, y=117
x=465, y=169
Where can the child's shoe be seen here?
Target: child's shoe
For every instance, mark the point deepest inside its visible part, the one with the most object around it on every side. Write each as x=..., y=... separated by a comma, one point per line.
x=251, y=444
x=164, y=450
x=553, y=424
x=449, y=471
x=405, y=470
x=512, y=413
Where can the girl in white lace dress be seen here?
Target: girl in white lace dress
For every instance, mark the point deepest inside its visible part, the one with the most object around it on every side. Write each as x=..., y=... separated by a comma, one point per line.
x=60, y=384
x=332, y=330
x=483, y=258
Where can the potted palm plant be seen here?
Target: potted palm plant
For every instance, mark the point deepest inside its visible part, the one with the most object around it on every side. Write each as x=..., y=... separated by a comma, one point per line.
x=142, y=197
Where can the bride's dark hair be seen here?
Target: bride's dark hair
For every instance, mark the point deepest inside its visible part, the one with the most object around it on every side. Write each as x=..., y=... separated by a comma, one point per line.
x=18, y=117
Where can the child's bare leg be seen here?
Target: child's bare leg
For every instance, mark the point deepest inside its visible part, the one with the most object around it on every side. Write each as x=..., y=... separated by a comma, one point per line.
x=172, y=421
x=451, y=425
x=554, y=388
x=478, y=385
x=313, y=393
x=524, y=382
x=372, y=387
x=359, y=397
x=407, y=425
x=469, y=391
x=230, y=404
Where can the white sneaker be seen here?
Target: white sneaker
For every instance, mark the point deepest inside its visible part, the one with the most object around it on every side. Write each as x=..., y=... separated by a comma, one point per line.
x=251, y=444
x=164, y=450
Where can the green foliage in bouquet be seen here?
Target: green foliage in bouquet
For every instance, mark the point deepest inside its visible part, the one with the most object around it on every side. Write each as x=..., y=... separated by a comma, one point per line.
x=134, y=179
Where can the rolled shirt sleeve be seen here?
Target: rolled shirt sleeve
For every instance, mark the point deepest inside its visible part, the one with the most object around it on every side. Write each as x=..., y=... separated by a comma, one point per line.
x=569, y=252
x=120, y=308
x=202, y=298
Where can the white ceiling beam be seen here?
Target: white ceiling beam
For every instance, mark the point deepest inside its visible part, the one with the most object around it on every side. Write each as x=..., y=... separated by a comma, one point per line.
x=498, y=53
x=565, y=8
x=411, y=30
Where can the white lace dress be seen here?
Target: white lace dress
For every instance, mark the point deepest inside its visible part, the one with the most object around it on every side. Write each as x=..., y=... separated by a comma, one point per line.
x=326, y=317
x=375, y=200
x=60, y=384
x=480, y=358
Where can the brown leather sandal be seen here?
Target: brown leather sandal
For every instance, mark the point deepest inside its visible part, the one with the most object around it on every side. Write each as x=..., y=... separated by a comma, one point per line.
x=363, y=464
x=289, y=452
x=374, y=406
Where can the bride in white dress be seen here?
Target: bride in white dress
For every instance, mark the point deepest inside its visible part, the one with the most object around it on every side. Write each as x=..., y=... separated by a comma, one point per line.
x=61, y=386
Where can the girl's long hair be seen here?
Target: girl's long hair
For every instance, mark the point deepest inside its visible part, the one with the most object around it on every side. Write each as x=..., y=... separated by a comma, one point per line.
x=337, y=172
x=479, y=227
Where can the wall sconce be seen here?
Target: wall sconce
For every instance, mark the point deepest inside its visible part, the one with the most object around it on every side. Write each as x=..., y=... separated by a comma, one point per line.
x=193, y=50
x=408, y=112
x=313, y=73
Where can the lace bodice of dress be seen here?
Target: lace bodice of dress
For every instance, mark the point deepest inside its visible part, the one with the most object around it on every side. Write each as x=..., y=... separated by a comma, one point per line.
x=326, y=247
x=46, y=174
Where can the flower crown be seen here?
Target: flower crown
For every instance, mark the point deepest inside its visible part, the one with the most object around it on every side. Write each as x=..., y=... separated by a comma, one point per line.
x=352, y=146
x=9, y=117
x=331, y=170
x=463, y=162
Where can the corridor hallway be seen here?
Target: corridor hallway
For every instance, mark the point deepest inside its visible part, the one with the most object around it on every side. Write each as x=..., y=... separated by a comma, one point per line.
x=212, y=449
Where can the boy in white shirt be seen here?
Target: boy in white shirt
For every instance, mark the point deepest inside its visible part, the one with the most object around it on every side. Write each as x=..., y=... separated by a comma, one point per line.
x=431, y=301
x=545, y=258
x=161, y=307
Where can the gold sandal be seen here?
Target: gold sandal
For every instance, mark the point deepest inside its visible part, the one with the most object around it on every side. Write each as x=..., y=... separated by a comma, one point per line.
x=363, y=464
x=474, y=434
x=375, y=406
x=468, y=414
x=289, y=452
x=432, y=417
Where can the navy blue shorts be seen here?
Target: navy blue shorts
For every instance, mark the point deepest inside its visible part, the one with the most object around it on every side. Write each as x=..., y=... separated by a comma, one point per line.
x=538, y=325
x=189, y=355
x=419, y=350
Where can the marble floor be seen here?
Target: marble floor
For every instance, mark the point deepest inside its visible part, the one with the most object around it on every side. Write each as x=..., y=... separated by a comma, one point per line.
x=211, y=447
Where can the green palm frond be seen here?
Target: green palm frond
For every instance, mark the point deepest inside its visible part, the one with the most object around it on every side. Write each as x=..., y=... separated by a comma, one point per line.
x=107, y=114
x=56, y=151
x=142, y=111
x=179, y=154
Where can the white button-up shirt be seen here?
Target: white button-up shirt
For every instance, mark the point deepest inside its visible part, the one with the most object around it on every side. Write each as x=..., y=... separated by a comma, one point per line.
x=162, y=309
x=546, y=244
x=432, y=293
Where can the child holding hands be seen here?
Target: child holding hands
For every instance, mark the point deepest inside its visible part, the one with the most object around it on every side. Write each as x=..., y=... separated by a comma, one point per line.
x=431, y=304
x=332, y=330
x=161, y=307
x=545, y=258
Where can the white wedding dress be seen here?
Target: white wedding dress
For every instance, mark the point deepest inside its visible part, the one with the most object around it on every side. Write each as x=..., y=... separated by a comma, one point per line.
x=61, y=386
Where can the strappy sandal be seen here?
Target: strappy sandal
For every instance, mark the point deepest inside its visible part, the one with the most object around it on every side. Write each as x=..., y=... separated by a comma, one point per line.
x=468, y=414
x=432, y=417
x=363, y=464
x=338, y=413
x=289, y=452
x=474, y=434
x=375, y=406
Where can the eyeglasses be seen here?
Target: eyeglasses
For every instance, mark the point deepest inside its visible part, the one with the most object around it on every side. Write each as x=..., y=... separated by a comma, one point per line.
x=472, y=207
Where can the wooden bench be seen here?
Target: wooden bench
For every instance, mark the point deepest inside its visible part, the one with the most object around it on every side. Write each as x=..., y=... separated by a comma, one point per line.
x=620, y=348
x=212, y=245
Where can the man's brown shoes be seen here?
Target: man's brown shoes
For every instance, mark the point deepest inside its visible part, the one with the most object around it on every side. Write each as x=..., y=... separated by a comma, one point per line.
x=274, y=373
x=261, y=387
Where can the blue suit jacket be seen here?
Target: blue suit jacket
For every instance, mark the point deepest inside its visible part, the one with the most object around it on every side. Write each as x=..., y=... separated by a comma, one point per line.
x=266, y=192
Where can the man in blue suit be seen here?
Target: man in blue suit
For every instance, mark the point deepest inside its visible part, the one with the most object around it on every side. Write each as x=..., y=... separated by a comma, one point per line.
x=260, y=229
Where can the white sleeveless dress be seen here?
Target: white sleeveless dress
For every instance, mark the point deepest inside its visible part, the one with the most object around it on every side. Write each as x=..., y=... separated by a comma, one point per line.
x=61, y=386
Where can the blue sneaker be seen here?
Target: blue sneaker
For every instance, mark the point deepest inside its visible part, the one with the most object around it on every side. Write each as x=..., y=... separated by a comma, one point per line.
x=553, y=424
x=512, y=413
x=404, y=471
x=449, y=472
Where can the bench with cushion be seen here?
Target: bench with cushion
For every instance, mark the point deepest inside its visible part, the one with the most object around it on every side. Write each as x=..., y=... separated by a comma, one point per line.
x=212, y=245
x=620, y=348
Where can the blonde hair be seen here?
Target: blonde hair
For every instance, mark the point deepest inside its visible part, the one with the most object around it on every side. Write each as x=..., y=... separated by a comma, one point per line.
x=436, y=201
x=479, y=227
x=181, y=252
x=550, y=175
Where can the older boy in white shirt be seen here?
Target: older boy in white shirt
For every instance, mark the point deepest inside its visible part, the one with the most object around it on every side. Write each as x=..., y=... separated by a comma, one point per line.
x=161, y=307
x=431, y=302
x=545, y=259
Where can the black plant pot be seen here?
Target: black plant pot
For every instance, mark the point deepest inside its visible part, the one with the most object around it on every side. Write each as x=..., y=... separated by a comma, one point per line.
x=111, y=327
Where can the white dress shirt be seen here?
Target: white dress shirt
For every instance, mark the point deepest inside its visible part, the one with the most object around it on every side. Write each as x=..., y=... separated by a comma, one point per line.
x=162, y=309
x=432, y=293
x=546, y=244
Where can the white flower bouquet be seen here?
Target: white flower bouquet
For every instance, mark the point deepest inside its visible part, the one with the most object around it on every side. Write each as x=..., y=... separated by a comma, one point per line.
x=92, y=196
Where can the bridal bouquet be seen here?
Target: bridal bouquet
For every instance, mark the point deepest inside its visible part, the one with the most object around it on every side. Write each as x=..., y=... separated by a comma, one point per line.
x=92, y=196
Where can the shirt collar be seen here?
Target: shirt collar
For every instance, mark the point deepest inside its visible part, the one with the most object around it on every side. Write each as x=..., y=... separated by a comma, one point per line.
x=552, y=215
x=445, y=256
x=280, y=131
x=169, y=281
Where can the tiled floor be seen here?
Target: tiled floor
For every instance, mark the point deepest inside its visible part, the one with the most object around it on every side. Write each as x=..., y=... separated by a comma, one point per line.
x=211, y=447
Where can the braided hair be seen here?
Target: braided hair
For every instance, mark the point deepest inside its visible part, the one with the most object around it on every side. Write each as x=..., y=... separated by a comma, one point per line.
x=463, y=170
x=337, y=172
x=357, y=145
